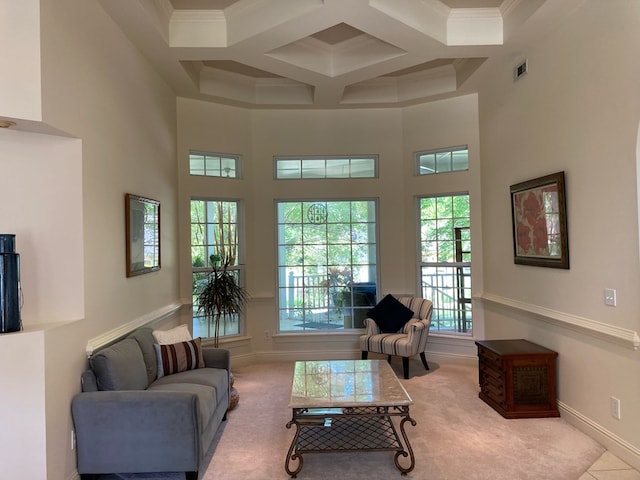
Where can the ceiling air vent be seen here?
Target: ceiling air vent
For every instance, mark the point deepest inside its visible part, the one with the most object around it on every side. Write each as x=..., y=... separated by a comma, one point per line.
x=521, y=69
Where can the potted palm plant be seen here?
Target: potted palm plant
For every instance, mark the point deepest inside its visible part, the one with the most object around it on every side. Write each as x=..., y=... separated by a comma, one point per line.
x=220, y=296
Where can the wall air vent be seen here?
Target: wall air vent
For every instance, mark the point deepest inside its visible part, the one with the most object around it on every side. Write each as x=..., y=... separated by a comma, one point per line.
x=521, y=69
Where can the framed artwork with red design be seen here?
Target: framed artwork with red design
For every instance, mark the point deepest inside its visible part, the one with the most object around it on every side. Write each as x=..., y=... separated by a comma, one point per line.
x=539, y=214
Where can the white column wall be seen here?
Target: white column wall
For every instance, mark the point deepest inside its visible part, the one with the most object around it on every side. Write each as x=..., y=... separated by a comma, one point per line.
x=22, y=416
x=76, y=74
x=442, y=124
x=20, y=82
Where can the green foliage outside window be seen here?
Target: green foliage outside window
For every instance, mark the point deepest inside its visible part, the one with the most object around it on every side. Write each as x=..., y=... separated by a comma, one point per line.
x=326, y=251
x=445, y=245
x=440, y=216
x=213, y=231
x=214, y=241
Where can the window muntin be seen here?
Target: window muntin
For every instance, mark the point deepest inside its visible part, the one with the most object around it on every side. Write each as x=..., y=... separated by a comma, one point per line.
x=445, y=261
x=327, y=265
x=326, y=167
x=442, y=161
x=214, y=231
x=214, y=165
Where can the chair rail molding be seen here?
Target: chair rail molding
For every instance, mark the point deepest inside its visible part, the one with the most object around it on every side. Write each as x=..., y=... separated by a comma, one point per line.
x=603, y=331
x=115, y=334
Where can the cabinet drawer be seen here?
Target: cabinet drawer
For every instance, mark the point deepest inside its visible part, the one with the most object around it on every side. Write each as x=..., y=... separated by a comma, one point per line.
x=494, y=393
x=497, y=382
x=491, y=370
x=490, y=357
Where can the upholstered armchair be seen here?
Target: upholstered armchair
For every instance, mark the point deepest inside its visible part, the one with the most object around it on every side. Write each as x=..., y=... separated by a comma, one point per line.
x=389, y=335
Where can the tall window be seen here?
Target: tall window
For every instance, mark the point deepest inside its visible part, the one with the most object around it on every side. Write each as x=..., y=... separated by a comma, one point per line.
x=326, y=264
x=445, y=265
x=214, y=235
x=214, y=164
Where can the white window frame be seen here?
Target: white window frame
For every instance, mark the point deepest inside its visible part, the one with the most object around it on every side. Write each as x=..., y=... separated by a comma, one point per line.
x=439, y=159
x=227, y=162
x=336, y=292
x=324, y=167
x=446, y=280
x=230, y=327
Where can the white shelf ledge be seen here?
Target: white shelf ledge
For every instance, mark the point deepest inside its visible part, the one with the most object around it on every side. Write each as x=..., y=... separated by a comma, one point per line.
x=604, y=331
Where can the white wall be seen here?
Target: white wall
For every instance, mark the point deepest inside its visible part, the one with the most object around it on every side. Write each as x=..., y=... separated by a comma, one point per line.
x=97, y=87
x=576, y=110
x=64, y=198
x=22, y=416
x=20, y=82
x=41, y=194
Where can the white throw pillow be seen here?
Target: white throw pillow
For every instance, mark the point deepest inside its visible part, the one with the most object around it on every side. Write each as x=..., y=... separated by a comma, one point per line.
x=175, y=335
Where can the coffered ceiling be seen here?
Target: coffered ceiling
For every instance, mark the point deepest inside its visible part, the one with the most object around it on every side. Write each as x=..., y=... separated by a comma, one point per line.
x=320, y=53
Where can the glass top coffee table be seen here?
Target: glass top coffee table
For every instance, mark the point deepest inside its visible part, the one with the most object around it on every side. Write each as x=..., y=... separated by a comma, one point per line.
x=346, y=406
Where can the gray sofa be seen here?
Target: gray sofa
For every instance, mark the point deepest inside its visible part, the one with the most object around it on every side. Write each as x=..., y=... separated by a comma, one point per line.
x=127, y=420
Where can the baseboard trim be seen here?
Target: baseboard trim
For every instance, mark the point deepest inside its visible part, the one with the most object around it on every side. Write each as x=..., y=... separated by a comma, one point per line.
x=291, y=356
x=616, y=445
x=242, y=360
x=453, y=358
x=117, y=333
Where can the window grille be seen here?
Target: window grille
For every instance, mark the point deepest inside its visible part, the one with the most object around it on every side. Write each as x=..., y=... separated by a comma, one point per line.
x=442, y=161
x=445, y=263
x=327, y=265
x=288, y=168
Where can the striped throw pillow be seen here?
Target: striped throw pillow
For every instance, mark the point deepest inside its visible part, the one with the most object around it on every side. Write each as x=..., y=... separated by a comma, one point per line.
x=179, y=357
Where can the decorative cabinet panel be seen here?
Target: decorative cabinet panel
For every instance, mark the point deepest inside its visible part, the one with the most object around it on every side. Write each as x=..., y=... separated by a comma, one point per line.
x=517, y=378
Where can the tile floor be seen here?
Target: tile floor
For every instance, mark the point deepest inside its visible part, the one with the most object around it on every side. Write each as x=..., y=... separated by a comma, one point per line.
x=610, y=467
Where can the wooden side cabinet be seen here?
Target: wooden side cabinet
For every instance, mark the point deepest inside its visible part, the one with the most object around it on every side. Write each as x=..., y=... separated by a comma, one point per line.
x=518, y=378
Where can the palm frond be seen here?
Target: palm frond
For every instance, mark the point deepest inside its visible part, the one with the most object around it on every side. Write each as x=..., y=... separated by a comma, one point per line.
x=221, y=296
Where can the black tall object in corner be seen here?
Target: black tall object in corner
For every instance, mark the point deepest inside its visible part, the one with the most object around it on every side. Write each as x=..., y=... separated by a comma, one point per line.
x=9, y=285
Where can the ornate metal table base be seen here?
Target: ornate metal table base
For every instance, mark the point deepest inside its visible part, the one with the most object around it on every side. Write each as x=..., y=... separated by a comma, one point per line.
x=347, y=430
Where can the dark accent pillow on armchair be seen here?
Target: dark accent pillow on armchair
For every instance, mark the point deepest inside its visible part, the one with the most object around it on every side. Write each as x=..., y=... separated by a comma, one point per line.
x=390, y=315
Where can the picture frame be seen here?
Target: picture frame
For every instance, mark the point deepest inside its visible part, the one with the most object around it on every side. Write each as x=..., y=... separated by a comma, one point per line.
x=539, y=220
x=142, y=220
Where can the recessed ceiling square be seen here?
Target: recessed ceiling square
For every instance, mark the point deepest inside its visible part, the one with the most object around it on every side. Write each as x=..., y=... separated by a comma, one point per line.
x=337, y=34
x=336, y=51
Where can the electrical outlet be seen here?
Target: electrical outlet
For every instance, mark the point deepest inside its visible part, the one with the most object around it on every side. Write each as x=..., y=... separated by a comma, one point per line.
x=615, y=408
x=610, y=297
x=267, y=335
x=73, y=440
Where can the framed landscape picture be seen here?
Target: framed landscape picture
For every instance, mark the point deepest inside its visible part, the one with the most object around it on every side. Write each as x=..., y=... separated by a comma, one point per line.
x=539, y=216
x=142, y=216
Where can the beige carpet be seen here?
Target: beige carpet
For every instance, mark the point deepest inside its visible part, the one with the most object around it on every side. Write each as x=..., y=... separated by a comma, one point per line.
x=457, y=436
